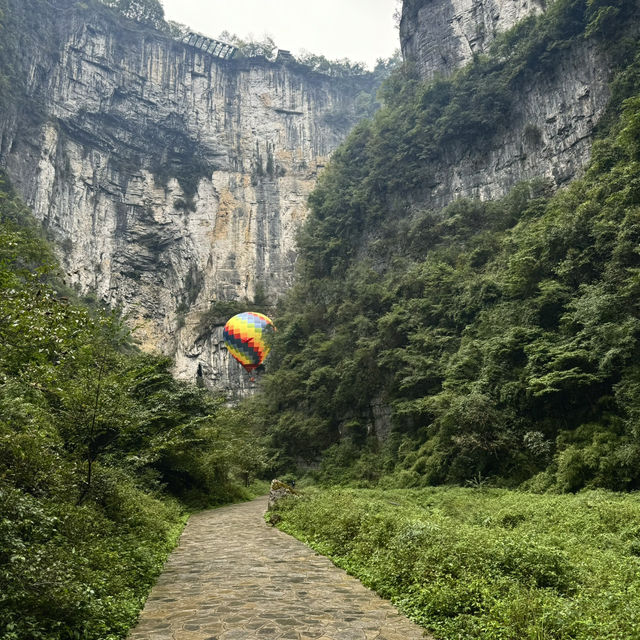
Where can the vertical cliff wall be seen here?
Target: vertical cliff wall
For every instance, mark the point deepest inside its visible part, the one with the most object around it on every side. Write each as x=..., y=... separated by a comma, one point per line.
x=171, y=178
x=548, y=130
x=439, y=36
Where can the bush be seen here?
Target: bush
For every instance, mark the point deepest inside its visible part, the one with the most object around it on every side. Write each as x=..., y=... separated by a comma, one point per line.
x=70, y=569
x=498, y=338
x=95, y=438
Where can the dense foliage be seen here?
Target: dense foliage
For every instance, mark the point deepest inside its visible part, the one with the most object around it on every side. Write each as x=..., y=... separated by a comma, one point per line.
x=502, y=335
x=489, y=564
x=150, y=12
x=100, y=451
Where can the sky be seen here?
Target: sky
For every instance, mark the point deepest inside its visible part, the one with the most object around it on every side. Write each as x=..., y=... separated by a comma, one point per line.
x=361, y=30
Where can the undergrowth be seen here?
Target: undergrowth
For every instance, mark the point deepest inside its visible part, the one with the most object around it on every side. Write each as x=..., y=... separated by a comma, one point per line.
x=486, y=563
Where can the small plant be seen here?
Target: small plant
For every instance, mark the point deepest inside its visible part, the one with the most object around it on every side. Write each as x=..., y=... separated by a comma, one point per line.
x=478, y=482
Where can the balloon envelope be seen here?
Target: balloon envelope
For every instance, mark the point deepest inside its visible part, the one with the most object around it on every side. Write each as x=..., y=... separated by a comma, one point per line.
x=246, y=336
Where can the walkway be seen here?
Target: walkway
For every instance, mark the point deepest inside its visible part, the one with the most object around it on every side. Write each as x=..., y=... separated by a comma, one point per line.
x=234, y=578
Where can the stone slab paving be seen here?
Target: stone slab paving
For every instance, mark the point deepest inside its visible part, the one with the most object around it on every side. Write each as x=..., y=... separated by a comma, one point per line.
x=232, y=577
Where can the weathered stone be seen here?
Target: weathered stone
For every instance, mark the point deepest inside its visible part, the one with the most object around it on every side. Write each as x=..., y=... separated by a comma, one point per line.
x=440, y=36
x=173, y=178
x=279, y=490
x=170, y=177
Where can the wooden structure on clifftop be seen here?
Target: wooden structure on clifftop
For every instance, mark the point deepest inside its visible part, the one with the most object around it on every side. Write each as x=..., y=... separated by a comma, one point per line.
x=284, y=56
x=210, y=46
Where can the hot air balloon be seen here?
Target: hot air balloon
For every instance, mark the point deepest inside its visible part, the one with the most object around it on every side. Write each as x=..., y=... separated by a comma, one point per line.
x=246, y=336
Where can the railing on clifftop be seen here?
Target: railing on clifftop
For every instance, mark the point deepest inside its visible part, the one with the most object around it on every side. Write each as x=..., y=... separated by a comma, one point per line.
x=209, y=45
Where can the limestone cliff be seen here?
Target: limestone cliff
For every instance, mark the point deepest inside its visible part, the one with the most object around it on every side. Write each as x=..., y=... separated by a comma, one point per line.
x=548, y=131
x=170, y=177
x=439, y=36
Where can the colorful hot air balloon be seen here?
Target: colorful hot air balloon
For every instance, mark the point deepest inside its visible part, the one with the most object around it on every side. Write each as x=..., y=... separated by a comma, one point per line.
x=246, y=337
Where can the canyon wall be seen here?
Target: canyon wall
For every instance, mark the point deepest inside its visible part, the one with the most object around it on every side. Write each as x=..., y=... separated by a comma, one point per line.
x=440, y=36
x=170, y=178
x=174, y=180
x=549, y=129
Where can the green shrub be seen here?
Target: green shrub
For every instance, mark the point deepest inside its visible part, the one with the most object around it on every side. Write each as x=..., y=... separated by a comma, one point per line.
x=491, y=330
x=490, y=564
x=68, y=570
x=95, y=438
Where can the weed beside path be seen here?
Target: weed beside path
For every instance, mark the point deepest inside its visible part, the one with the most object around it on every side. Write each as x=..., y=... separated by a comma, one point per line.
x=490, y=564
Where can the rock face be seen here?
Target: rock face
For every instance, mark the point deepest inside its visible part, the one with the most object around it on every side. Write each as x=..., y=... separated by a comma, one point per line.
x=279, y=490
x=548, y=132
x=170, y=177
x=173, y=179
x=440, y=36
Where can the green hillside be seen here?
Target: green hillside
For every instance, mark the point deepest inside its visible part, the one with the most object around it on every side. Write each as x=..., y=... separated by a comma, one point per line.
x=502, y=334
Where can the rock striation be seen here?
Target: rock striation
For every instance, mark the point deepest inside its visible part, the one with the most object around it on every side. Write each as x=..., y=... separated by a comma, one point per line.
x=440, y=36
x=547, y=134
x=549, y=129
x=171, y=178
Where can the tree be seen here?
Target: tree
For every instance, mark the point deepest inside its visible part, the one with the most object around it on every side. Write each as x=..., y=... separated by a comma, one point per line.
x=251, y=48
x=337, y=68
x=94, y=403
x=148, y=12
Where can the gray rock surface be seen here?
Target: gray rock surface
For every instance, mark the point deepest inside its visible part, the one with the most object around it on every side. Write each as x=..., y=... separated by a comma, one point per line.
x=279, y=490
x=170, y=178
x=440, y=36
x=547, y=134
x=549, y=129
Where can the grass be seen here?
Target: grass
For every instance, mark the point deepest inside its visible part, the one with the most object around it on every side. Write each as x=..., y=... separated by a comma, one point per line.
x=486, y=563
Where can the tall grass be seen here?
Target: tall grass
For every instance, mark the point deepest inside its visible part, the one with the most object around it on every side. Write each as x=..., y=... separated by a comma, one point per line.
x=486, y=563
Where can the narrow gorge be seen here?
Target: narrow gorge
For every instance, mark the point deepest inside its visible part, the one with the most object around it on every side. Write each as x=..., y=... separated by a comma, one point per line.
x=449, y=247
x=173, y=180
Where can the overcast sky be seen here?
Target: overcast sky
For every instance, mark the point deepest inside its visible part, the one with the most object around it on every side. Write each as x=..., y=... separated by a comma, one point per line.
x=361, y=30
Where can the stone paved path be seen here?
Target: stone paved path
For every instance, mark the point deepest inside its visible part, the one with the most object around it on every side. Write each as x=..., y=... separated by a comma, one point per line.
x=234, y=578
